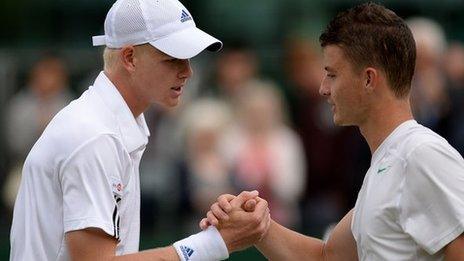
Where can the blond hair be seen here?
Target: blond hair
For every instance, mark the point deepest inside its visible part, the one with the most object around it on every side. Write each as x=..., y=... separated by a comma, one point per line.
x=110, y=58
x=111, y=55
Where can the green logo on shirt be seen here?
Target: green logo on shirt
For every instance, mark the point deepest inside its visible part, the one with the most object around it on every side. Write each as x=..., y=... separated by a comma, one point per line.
x=382, y=169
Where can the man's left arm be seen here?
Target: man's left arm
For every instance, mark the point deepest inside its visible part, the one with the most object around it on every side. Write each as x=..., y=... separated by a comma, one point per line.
x=454, y=251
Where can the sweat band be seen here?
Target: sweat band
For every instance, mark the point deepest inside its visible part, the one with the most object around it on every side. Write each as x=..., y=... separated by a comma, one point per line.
x=207, y=245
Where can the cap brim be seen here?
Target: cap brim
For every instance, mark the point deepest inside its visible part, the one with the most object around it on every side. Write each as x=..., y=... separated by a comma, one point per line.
x=187, y=43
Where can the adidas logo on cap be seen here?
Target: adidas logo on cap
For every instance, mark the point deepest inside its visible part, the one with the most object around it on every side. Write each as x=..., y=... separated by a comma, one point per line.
x=187, y=251
x=185, y=16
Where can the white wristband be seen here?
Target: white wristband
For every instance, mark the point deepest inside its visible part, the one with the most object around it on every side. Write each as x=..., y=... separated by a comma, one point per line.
x=207, y=245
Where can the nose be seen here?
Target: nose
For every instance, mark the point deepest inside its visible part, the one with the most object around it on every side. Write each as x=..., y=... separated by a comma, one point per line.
x=324, y=89
x=186, y=70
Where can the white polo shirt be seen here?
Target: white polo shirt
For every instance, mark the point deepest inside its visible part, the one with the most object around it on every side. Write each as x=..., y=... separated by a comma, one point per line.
x=411, y=203
x=83, y=172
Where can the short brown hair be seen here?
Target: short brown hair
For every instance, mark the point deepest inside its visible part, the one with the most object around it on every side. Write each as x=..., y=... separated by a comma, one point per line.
x=372, y=35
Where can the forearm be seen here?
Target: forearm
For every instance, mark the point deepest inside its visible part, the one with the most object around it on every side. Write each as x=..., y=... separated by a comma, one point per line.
x=453, y=251
x=206, y=245
x=281, y=243
x=158, y=254
x=94, y=244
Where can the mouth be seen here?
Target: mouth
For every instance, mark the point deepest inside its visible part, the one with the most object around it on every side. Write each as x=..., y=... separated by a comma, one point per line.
x=332, y=105
x=176, y=91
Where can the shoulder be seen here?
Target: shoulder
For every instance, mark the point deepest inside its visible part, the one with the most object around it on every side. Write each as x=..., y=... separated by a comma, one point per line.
x=83, y=120
x=430, y=157
x=420, y=139
x=424, y=144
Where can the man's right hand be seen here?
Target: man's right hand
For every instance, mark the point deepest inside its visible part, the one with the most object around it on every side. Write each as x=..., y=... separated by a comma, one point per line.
x=242, y=220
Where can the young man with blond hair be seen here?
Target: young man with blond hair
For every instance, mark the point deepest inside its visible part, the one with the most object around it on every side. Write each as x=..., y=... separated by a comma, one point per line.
x=79, y=197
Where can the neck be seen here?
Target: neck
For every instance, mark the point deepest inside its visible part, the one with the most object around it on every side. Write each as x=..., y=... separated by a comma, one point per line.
x=384, y=119
x=125, y=87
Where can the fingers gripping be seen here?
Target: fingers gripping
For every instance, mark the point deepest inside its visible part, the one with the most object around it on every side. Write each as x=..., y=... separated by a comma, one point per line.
x=243, y=197
x=250, y=205
x=224, y=202
x=203, y=224
x=212, y=219
x=218, y=212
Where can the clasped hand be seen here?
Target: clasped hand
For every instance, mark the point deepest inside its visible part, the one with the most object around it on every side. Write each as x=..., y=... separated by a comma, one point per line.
x=242, y=220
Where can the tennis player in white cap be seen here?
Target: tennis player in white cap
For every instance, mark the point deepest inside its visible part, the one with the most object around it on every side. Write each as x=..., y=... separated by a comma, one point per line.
x=79, y=197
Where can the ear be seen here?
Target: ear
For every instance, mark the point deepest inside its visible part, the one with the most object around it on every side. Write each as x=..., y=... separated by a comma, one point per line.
x=371, y=79
x=128, y=58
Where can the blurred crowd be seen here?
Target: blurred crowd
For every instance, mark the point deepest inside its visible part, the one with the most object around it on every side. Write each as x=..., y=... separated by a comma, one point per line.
x=238, y=129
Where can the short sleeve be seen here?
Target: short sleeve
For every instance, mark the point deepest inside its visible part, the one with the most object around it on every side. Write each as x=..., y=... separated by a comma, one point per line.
x=91, y=181
x=432, y=200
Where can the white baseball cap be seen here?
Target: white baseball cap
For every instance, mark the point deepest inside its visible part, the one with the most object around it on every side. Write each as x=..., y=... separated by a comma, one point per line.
x=165, y=24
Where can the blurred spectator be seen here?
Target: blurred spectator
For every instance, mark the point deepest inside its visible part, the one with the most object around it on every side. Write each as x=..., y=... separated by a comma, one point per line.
x=265, y=153
x=33, y=107
x=330, y=188
x=157, y=171
x=204, y=167
x=30, y=111
x=429, y=95
x=236, y=67
x=454, y=65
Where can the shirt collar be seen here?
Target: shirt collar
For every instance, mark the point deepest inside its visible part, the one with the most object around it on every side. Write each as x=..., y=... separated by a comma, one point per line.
x=134, y=131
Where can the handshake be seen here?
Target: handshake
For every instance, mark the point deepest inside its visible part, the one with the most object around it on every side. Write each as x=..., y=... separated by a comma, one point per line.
x=241, y=220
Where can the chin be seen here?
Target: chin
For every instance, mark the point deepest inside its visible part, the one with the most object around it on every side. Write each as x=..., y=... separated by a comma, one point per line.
x=336, y=120
x=340, y=122
x=171, y=103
